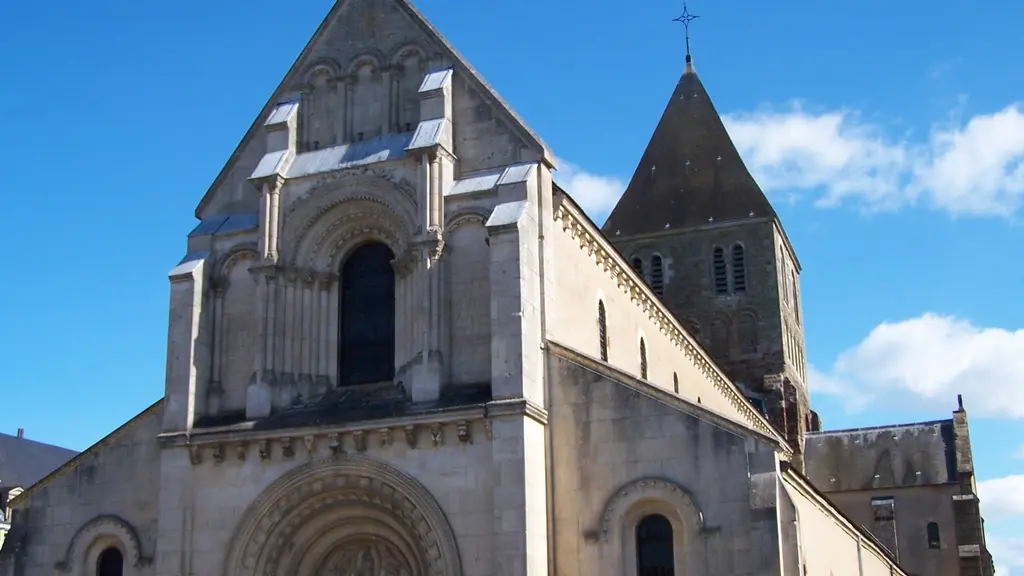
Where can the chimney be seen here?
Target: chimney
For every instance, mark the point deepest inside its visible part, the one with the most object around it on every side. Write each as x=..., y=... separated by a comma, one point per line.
x=21, y=432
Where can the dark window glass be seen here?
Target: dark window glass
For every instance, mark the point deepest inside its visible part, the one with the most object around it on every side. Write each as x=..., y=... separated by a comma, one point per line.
x=933, y=535
x=110, y=563
x=654, y=547
x=367, y=342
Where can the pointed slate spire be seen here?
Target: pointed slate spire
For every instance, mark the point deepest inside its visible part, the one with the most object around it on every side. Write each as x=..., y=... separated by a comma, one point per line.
x=690, y=174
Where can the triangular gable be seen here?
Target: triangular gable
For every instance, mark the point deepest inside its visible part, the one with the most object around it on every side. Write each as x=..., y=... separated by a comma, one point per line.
x=306, y=58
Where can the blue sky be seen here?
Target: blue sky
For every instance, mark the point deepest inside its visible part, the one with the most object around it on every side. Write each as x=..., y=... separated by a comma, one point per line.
x=889, y=137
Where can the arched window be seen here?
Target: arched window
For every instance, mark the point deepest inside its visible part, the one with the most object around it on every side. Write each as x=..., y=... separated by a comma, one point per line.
x=933, y=535
x=602, y=331
x=654, y=547
x=643, y=359
x=796, y=304
x=739, y=270
x=747, y=333
x=110, y=563
x=657, y=276
x=638, y=265
x=367, y=340
x=719, y=273
x=675, y=382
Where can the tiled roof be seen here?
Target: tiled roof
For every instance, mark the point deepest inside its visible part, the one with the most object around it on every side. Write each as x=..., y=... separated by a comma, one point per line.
x=690, y=174
x=24, y=462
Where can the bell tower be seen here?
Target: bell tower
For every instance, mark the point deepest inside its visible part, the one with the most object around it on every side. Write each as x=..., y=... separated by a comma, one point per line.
x=698, y=228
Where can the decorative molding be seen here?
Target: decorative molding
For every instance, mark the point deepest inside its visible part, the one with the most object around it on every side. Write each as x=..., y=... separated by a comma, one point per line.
x=100, y=526
x=589, y=240
x=338, y=486
x=474, y=215
x=666, y=491
x=320, y=442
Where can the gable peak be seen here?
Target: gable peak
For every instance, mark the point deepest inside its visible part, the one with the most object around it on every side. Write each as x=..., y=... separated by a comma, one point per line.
x=690, y=174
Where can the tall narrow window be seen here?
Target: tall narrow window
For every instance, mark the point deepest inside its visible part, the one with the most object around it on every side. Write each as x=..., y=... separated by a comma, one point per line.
x=739, y=270
x=367, y=339
x=654, y=547
x=796, y=304
x=720, y=274
x=746, y=330
x=643, y=359
x=933, y=536
x=675, y=382
x=602, y=331
x=638, y=265
x=657, y=276
x=110, y=563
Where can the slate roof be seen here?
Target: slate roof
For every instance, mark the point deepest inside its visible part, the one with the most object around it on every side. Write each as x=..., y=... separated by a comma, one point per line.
x=882, y=457
x=24, y=462
x=690, y=174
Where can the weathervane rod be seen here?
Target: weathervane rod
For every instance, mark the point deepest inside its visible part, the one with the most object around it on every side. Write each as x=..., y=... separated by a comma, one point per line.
x=685, y=18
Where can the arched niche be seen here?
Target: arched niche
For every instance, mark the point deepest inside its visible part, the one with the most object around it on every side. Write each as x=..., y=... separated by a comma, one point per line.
x=641, y=499
x=346, y=513
x=94, y=537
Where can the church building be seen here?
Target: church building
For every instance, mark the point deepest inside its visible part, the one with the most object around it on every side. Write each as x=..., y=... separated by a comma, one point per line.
x=397, y=348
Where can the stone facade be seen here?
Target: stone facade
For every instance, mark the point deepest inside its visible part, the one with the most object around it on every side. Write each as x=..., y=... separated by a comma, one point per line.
x=396, y=347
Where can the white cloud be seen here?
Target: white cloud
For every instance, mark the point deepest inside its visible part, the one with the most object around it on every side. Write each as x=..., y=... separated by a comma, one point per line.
x=596, y=194
x=930, y=358
x=1007, y=553
x=1002, y=498
x=972, y=168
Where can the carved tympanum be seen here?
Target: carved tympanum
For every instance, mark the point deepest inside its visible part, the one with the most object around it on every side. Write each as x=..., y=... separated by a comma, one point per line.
x=368, y=558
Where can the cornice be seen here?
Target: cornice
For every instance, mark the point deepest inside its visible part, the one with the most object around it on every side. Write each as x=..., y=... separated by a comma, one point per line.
x=591, y=241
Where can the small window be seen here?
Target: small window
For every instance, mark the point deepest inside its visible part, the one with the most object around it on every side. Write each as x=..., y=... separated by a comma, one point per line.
x=638, y=265
x=657, y=276
x=643, y=359
x=739, y=271
x=110, y=563
x=655, y=554
x=675, y=382
x=602, y=331
x=720, y=274
x=934, y=541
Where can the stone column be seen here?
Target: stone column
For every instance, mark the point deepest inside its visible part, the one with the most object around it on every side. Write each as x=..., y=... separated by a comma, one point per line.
x=518, y=387
x=258, y=393
x=215, y=394
x=186, y=356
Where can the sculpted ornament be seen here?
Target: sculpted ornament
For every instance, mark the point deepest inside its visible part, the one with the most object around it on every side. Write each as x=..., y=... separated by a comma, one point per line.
x=347, y=515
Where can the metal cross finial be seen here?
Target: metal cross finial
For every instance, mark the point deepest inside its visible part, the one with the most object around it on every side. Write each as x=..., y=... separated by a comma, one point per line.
x=686, y=18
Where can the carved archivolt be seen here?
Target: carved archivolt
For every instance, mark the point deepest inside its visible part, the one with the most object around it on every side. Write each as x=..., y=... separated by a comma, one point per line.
x=321, y=226
x=104, y=530
x=345, y=513
x=467, y=216
x=666, y=492
x=238, y=253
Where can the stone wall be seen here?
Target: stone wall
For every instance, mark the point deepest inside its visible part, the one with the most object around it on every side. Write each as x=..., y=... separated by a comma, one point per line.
x=107, y=496
x=212, y=489
x=622, y=449
x=829, y=544
x=589, y=271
